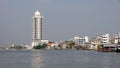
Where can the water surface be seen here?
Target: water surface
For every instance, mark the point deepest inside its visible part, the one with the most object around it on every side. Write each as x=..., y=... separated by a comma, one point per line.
x=58, y=59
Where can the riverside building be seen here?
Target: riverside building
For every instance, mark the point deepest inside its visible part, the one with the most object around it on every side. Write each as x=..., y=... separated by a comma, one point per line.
x=105, y=39
x=117, y=38
x=81, y=40
x=37, y=32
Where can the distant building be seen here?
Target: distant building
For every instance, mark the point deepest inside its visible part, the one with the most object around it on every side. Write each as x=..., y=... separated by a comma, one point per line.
x=51, y=45
x=99, y=40
x=96, y=40
x=117, y=38
x=37, y=31
x=105, y=39
x=109, y=47
x=81, y=40
x=44, y=41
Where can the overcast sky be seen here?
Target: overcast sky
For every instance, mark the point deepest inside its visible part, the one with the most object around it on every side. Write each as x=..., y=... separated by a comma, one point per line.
x=63, y=19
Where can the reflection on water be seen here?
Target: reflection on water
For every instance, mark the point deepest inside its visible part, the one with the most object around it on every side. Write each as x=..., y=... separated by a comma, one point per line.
x=106, y=62
x=36, y=60
x=58, y=59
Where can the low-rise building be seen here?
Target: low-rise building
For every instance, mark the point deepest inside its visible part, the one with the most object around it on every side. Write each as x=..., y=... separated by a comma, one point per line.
x=116, y=38
x=44, y=41
x=109, y=48
x=81, y=40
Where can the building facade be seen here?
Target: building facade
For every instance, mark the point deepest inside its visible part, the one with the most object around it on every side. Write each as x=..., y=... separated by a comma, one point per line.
x=117, y=38
x=37, y=32
x=105, y=39
x=81, y=40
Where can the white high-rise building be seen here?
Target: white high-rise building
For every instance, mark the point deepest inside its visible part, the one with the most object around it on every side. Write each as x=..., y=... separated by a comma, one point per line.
x=37, y=21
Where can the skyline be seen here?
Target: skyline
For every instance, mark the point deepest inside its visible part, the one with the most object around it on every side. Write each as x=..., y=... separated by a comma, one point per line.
x=62, y=19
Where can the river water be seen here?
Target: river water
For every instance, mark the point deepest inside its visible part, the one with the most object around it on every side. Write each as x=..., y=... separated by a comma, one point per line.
x=58, y=59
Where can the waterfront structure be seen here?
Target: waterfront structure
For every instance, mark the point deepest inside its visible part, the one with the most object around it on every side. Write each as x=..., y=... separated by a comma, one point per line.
x=51, y=45
x=105, y=38
x=44, y=41
x=81, y=40
x=117, y=38
x=107, y=48
x=37, y=32
x=95, y=42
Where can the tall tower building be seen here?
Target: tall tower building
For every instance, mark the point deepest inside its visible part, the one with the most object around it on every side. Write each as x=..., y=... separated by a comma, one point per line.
x=37, y=21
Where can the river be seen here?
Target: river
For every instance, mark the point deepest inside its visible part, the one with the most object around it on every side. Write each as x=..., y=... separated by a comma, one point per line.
x=58, y=59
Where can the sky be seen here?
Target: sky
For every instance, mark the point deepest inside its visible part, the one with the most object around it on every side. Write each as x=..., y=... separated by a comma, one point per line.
x=63, y=19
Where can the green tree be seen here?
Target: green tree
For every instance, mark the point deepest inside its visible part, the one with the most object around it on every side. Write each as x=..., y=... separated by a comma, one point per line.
x=71, y=44
x=43, y=46
x=37, y=47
